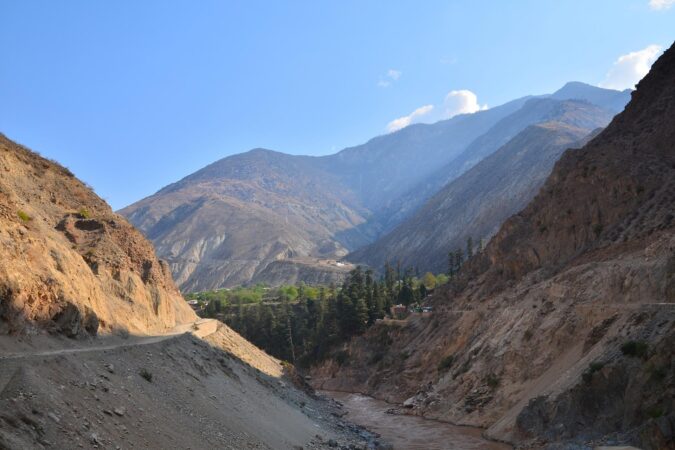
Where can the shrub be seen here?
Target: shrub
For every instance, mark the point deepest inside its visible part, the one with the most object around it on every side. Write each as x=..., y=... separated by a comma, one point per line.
x=657, y=373
x=655, y=412
x=597, y=229
x=84, y=213
x=341, y=357
x=146, y=375
x=528, y=335
x=24, y=216
x=636, y=349
x=492, y=381
x=593, y=367
x=445, y=363
x=377, y=357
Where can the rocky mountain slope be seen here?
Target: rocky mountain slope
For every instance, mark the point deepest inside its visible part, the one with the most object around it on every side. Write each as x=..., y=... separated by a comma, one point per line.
x=225, y=224
x=565, y=105
x=69, y=263
x=477, y=203
x=563, y=331
x=258, y=215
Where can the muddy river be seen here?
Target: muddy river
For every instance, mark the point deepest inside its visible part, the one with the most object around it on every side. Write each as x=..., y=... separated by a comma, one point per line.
x=410, y=432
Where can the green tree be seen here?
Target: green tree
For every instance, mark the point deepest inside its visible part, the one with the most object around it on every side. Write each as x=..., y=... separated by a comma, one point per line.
x=459, y=259
x=429, y=280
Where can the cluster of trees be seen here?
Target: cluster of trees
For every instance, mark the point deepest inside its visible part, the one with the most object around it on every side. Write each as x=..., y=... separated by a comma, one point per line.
x=301, y=324
x=456, y=257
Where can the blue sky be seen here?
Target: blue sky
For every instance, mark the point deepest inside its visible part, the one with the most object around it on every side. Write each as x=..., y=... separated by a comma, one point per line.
x=134, y=95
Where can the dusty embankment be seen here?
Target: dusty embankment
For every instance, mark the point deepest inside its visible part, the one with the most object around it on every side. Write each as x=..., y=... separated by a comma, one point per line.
x=172, y=391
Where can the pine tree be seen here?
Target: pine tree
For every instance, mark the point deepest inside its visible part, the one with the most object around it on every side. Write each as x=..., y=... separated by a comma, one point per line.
x=378, y=300
x=369, y=297
x=469, y=248
x=459, y=259
x=390, y=285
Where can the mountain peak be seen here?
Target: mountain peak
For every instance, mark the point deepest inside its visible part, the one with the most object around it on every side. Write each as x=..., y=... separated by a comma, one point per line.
x=609, y=99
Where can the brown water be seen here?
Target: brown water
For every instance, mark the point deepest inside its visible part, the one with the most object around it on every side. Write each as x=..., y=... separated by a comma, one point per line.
x=410, y=432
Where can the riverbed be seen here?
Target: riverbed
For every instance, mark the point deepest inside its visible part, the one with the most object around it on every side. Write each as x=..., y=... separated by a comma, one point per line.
x=410, y=432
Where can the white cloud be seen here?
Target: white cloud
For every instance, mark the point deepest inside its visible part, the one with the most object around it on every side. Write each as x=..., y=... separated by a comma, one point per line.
x=631, y=67
x=661, y=4
x=413, y=117
x=394, y=74
x=391, y=76
x=461, y=102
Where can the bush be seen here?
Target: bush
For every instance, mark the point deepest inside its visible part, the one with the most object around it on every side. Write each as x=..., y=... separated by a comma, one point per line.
x=377, y=357
x=492, y=381
x=84, y=213
x=636, y=349
x=24, y=216
x=528, y=335
x=657, y=373
x=445, y=363
x=146, y=375
x=341, y=357
x=655, y=412
x=593, y=367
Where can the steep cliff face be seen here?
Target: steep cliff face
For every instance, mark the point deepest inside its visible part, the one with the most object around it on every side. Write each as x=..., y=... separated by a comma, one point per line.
x=563, y=330
x=69, y=263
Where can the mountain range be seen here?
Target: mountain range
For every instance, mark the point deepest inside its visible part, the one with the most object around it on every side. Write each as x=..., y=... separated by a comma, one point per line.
x=264, y=216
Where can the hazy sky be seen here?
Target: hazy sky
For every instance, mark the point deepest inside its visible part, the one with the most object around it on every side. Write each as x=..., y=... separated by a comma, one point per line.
x=132, y=95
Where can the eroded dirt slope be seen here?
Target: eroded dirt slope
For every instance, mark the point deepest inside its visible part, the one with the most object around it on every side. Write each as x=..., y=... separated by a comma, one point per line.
x=174, y=393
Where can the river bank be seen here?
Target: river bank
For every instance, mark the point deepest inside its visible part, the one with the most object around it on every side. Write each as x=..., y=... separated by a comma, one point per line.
x=410, y=432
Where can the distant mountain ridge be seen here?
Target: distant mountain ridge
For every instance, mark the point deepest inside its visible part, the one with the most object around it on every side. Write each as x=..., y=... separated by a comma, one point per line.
x=226, y=223
x=475, y=204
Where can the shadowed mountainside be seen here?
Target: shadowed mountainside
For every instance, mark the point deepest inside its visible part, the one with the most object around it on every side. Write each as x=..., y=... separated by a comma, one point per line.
x=475, y=204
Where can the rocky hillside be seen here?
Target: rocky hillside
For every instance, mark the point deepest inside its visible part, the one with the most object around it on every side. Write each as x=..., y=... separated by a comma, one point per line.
x=563, y=330
x=225, y=224
x=256, y=216
x=477, y=203
x=69, y=263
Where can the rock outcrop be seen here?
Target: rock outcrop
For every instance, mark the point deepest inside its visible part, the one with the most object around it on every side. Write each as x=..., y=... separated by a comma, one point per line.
x=69, y=263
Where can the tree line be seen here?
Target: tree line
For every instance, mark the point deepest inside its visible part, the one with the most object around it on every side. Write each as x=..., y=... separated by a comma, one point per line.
x=302, y=328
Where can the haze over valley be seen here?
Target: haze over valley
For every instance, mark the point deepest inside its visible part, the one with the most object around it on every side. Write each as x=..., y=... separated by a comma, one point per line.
x=337, y=225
